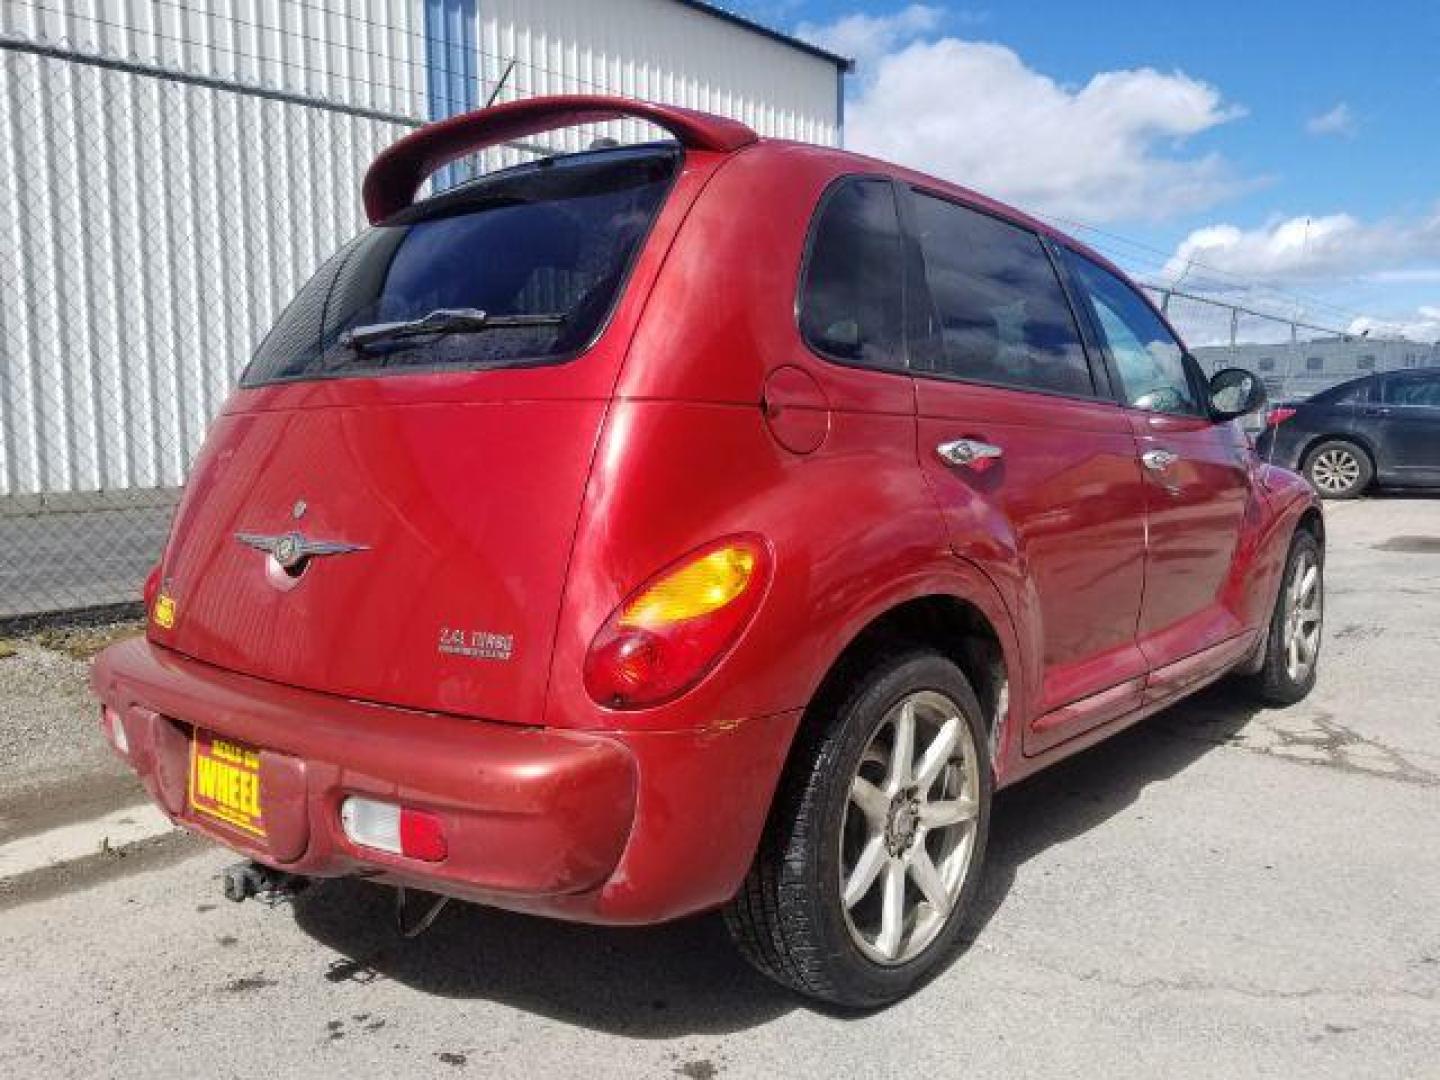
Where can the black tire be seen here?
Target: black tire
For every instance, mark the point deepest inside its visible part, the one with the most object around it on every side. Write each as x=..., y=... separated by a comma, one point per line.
x=1276, y=683
x=789, y=918
x=1338, y=469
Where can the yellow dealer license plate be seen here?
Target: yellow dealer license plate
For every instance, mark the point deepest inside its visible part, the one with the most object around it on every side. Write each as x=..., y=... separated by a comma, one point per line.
x=225, y=782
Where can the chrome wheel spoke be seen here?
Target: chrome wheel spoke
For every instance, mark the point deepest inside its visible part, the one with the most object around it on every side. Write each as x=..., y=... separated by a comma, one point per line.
x=928, y=880
x=937, y=754
x=1308, y=581
x=892, y=918
x=944, y=813
x=902, y=750
x=867, y=869
x=873, y=802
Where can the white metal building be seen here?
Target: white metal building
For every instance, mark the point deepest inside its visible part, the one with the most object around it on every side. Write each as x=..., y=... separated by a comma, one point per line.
x=170, y=171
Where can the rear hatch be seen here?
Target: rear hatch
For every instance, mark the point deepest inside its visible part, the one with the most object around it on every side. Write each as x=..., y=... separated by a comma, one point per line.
x=385, y=510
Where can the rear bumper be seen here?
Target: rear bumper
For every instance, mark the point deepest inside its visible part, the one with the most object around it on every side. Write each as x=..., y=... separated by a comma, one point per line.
x=605, y=827
x=1280, y=445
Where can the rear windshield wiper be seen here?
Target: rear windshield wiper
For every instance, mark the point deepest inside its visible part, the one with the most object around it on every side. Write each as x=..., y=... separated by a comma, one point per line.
x=442, y=321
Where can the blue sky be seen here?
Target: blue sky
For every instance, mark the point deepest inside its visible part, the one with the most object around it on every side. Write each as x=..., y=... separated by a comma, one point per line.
x=1279, y=150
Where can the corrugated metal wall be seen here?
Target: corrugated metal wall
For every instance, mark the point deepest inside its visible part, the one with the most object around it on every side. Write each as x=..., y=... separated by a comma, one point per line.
x=170, y=172
x=656, y=50
x=152, y=227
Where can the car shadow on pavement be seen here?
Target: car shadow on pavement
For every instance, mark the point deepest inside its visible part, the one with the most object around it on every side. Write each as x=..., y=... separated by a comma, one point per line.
x=1071, y=798
x=685, y=977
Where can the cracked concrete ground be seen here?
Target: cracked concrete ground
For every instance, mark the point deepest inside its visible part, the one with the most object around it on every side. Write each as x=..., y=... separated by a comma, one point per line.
x=1220, y=891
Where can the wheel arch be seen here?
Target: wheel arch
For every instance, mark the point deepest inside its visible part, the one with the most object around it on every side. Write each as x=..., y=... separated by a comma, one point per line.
x=1313, y=522
x=972, y=631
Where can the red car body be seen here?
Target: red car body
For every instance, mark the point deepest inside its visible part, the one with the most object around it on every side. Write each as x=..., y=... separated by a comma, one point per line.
x=511, y=513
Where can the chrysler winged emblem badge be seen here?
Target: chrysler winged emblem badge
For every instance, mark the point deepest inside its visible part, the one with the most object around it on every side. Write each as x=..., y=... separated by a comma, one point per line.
x=293, y=548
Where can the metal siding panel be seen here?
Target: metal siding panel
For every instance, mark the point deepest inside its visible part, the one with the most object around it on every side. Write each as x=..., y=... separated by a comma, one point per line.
x=150, y=229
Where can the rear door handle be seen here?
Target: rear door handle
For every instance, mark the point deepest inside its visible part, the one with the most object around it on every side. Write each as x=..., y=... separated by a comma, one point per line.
x=969, y=453
x=1159, y=460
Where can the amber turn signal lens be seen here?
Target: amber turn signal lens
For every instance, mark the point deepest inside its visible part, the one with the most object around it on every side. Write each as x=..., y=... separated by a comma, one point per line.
x=697, y=588
x=676, y=627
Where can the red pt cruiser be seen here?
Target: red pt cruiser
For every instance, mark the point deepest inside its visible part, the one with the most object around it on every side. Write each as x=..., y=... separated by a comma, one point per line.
x=713, y=523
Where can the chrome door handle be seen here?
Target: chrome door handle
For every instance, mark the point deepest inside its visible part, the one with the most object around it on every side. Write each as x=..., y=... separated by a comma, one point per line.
x=966, y=452
x=1159, y=460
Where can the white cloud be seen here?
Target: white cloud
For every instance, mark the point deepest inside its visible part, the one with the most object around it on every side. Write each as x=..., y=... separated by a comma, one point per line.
x=1421, y=325
x=1330, y=254
x=1340, y=120
x=865, y=38
x=1297, y=250
x=976, y=114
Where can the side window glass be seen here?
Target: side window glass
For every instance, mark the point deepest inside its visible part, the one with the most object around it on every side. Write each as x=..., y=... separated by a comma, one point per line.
x=1422, y=392
x=850, y=303
x=1000, y=315
x=1148, y=359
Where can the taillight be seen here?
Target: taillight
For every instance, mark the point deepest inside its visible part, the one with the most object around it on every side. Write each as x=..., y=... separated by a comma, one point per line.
x=400, y=830
x=1276, y=417
x=673, y=629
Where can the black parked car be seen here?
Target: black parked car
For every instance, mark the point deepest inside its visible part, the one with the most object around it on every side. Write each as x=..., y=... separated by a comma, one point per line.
x=1382, y=429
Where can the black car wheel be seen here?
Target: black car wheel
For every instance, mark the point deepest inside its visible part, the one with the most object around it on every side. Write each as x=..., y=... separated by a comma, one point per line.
x=876, y=839
x=1338, y=469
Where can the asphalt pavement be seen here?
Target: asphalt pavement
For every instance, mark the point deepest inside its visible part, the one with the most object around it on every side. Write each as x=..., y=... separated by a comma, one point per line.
x=1220, y=891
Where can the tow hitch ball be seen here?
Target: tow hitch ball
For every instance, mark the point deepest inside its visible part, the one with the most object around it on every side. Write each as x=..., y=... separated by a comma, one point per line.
x=247, y=879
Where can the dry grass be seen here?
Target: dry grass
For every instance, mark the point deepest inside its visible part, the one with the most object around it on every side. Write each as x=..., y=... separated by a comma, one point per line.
x=83, y=642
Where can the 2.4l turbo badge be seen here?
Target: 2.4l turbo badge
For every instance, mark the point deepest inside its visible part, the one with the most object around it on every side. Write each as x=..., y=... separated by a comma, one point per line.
x=476, y=644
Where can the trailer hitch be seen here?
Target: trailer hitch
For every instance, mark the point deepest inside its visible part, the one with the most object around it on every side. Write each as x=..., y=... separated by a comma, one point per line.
x=246, y=879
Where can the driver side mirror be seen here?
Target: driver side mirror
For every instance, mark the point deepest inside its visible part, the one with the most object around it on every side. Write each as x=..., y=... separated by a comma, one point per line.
x=1234, y=392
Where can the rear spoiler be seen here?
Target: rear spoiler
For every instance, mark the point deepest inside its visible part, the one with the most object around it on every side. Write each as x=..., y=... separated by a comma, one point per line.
x=396, y=175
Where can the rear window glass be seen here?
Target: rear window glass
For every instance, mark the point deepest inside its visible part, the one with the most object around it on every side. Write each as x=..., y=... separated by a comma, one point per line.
x=1000, y=315
x=553, y=241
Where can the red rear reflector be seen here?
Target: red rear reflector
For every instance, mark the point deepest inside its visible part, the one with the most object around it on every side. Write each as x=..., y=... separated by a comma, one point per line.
x=114, y=729
x=422, y=836
x=1276, y=417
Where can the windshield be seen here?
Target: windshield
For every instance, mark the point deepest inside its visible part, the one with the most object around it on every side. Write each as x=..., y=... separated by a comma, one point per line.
x=541, y=250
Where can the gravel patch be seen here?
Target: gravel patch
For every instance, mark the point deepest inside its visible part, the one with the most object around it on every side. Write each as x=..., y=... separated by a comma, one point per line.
x=54, y=763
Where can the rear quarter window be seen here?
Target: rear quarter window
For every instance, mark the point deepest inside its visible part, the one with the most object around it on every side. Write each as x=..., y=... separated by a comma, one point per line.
x=851, y=302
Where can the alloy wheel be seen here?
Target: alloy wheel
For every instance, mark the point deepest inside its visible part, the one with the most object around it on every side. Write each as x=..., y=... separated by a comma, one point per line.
x=1335, y=471
x=907, y=838
x=1304, y=609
